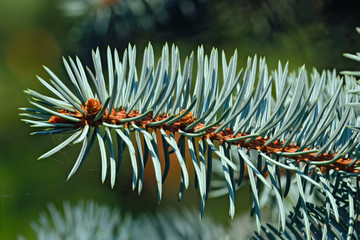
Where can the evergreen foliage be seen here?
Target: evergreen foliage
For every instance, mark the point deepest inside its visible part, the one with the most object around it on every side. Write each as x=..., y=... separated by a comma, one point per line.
x=324, y=222
x=287, y=132
x=89, y=220
x=103, y=22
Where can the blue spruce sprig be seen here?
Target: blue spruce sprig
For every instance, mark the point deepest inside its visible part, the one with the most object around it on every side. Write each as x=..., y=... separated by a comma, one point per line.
x=261, y=125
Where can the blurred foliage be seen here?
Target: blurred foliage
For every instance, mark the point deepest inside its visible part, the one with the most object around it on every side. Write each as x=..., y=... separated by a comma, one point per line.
x=37, y=32
x=116, y=22
x=86, y=221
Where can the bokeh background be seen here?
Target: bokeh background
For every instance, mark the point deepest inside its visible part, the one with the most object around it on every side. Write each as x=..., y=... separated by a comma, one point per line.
x=39, y=32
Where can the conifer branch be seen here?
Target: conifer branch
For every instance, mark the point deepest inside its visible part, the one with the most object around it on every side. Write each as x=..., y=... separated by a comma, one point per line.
x=274, y=122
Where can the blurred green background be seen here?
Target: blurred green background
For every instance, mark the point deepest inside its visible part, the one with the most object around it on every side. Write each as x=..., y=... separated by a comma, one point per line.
x=39, y=32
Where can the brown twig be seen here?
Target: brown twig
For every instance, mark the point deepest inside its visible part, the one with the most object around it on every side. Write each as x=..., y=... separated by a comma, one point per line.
x=93, y=107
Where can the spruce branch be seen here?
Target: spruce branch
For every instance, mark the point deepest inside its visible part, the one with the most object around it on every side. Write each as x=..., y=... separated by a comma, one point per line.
x=301, y=129
x=324, y=222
